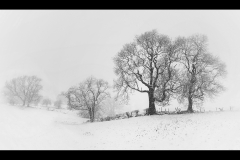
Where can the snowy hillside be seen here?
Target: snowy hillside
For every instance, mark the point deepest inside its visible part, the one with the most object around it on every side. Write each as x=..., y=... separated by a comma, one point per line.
x=40, y=129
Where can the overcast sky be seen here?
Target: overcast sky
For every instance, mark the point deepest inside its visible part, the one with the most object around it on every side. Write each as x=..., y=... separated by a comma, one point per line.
x=64, y=47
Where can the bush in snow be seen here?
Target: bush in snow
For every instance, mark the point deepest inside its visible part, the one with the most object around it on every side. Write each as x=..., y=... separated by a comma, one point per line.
x=128, y=114
x=118, y=116
x=122, y=116
x=134, y=113
x=178, y=110
x=220, y=109
x=107, y=118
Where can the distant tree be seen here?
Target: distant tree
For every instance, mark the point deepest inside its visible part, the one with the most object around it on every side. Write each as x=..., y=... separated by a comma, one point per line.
x=24, y=88
x=147, y=65
x=46, y=102
x=200, y=71
x=88, y=96
x=58, y=104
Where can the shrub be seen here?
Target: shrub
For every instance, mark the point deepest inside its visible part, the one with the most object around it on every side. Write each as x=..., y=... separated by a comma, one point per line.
x=118, y=115
x=178, y=110
x=106, y=118
x=221, y=109
x=136, y=113
x=146, y=111
x=128, y=114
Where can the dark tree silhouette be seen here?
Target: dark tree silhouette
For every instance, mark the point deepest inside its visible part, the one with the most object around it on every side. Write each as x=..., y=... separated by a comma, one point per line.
x=147, y=65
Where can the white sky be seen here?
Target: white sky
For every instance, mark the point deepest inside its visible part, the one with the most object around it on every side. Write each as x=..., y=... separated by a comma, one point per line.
x=64, y=47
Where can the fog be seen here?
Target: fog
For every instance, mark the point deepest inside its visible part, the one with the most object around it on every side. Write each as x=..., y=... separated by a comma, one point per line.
x=64, y=47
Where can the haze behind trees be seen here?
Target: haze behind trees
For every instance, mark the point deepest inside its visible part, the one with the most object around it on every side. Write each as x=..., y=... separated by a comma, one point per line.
x=69, y=47
x=165, y=69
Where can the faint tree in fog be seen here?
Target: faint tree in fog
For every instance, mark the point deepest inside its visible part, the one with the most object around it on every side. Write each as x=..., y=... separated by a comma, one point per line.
x=46, y=102
x=61, y=97
x=58, y=104
x=24, y=88
x=147, y=65
x=199, y=72
x=88, y=96
x=110, y=107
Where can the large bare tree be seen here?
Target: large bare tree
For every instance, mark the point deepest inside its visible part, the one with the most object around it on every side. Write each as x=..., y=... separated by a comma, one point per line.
x=24, y=88
x=147, y=65
x=200, y=71
x=88, y=96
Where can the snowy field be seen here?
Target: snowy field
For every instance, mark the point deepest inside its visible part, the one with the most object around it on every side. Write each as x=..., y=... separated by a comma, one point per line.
x=40, y=129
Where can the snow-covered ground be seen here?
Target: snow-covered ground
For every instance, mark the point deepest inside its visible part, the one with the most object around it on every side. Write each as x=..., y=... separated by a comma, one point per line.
x=40, y=129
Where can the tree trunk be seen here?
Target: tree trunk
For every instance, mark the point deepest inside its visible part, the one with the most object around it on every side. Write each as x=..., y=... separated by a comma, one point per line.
x=91, y=115
x=192, y=81
x=151, y=109
x=190, y=103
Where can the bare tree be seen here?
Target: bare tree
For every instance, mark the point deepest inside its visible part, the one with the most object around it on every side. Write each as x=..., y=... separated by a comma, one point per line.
x=24, y=88
x=200, y=71
x=88, y=96
x=147, y=65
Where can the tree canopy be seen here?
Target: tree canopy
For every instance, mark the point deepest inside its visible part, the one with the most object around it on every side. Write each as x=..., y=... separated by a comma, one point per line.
x=24, y=88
